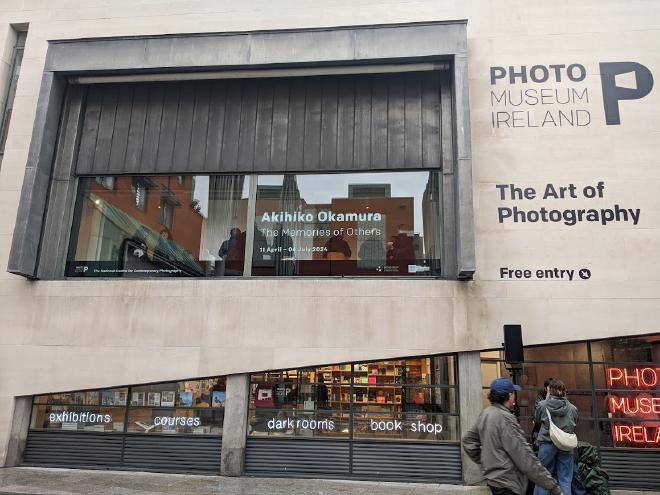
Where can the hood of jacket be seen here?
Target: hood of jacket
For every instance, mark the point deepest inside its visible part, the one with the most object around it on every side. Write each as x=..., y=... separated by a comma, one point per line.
x=558, y=406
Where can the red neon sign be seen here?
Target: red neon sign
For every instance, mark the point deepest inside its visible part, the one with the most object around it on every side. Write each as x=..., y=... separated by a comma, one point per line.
x=641, y=403
x=636, y=434
x=635, y=378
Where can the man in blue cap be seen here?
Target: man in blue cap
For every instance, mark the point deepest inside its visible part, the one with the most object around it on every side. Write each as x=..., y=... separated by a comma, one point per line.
x=497, y=443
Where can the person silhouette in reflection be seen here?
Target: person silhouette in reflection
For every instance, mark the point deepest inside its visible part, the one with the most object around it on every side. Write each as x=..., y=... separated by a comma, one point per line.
x=164, y=249
x=337, y=244
x=321, y=393
x=232, y=252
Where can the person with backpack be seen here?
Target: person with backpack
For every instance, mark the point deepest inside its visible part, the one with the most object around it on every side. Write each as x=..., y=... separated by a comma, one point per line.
x=556, y=409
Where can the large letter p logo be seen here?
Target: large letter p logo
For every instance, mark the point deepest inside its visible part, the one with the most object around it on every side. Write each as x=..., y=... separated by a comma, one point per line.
x=613, y=93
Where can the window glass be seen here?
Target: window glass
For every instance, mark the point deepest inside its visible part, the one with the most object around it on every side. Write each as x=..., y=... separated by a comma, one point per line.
x=180, y=420
x=281, y=422
x=348, y=224
x=406, y=426
x=78, y=418
x=159, y=226
x=107, y=397
x=630, y=349
x=418, y=394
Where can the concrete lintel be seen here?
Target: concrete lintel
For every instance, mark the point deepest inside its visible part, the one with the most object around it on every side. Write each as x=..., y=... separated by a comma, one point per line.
x=265, y=48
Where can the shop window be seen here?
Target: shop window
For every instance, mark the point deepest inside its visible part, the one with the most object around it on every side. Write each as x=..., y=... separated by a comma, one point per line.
x=616, y=391
x=96, y=411
x=411, y=399
x=188, y=407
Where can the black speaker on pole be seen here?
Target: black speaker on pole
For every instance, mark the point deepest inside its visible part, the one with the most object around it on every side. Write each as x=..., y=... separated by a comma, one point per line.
x=513, y=344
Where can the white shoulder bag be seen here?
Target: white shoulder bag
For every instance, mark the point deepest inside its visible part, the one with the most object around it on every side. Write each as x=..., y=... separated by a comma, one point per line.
x=561, y=439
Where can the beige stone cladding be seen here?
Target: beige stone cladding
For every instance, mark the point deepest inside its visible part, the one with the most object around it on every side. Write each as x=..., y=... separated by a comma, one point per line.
x=64, y=335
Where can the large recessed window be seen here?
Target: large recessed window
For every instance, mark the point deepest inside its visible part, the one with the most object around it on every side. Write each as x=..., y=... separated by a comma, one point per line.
x=345, y=224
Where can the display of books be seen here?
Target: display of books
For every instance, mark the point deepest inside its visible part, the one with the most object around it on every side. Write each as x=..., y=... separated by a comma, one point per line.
x=120, y=397
x=153, y=399
x=138, y=399
x=218, y=399
x=185, y=399
x=107, y=398
x=167, y=398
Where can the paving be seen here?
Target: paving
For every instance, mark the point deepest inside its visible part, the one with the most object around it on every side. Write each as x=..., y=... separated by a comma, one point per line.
x=38, y=481
x=41, y=481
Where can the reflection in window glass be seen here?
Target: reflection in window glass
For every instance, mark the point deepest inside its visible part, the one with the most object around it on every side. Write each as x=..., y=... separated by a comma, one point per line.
x=348, y=224
x=160, y=226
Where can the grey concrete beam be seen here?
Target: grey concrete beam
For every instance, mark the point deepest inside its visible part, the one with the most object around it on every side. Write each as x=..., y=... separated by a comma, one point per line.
x=290, y=47
x=20, y=424
x=24, y=253
x=464, y=206
x=470, y=404
x=234, y=429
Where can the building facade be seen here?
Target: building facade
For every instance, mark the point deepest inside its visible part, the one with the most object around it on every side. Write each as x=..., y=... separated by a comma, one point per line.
x=259, y=239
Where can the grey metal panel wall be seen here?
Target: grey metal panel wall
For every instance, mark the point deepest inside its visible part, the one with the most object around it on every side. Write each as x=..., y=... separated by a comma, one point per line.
x=199, y=454
x=407, y=461
x=324, y=123
x=633, y=469
x=71, y=449
x=297, y=457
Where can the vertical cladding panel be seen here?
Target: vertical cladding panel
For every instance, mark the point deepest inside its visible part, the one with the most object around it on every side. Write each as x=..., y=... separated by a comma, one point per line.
x=447, y=123
x=378, y=121
x=216, y=126
x=296, y=126
x=431, y=134
x=362, y=139
x=183, y=132
x=247, y=134
x=280, y=126
x=396, y=106
x=329, y=109
x=168, y=124
x=152, y=129
x=121, y=127
x=200, y=125
x=136, y=129
x=91, y=121
x=632, y=469
x=312, y=130
x=263, y=126
x=345, y=123
x=413, y=122
x=106, y=129
x=232, y=127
